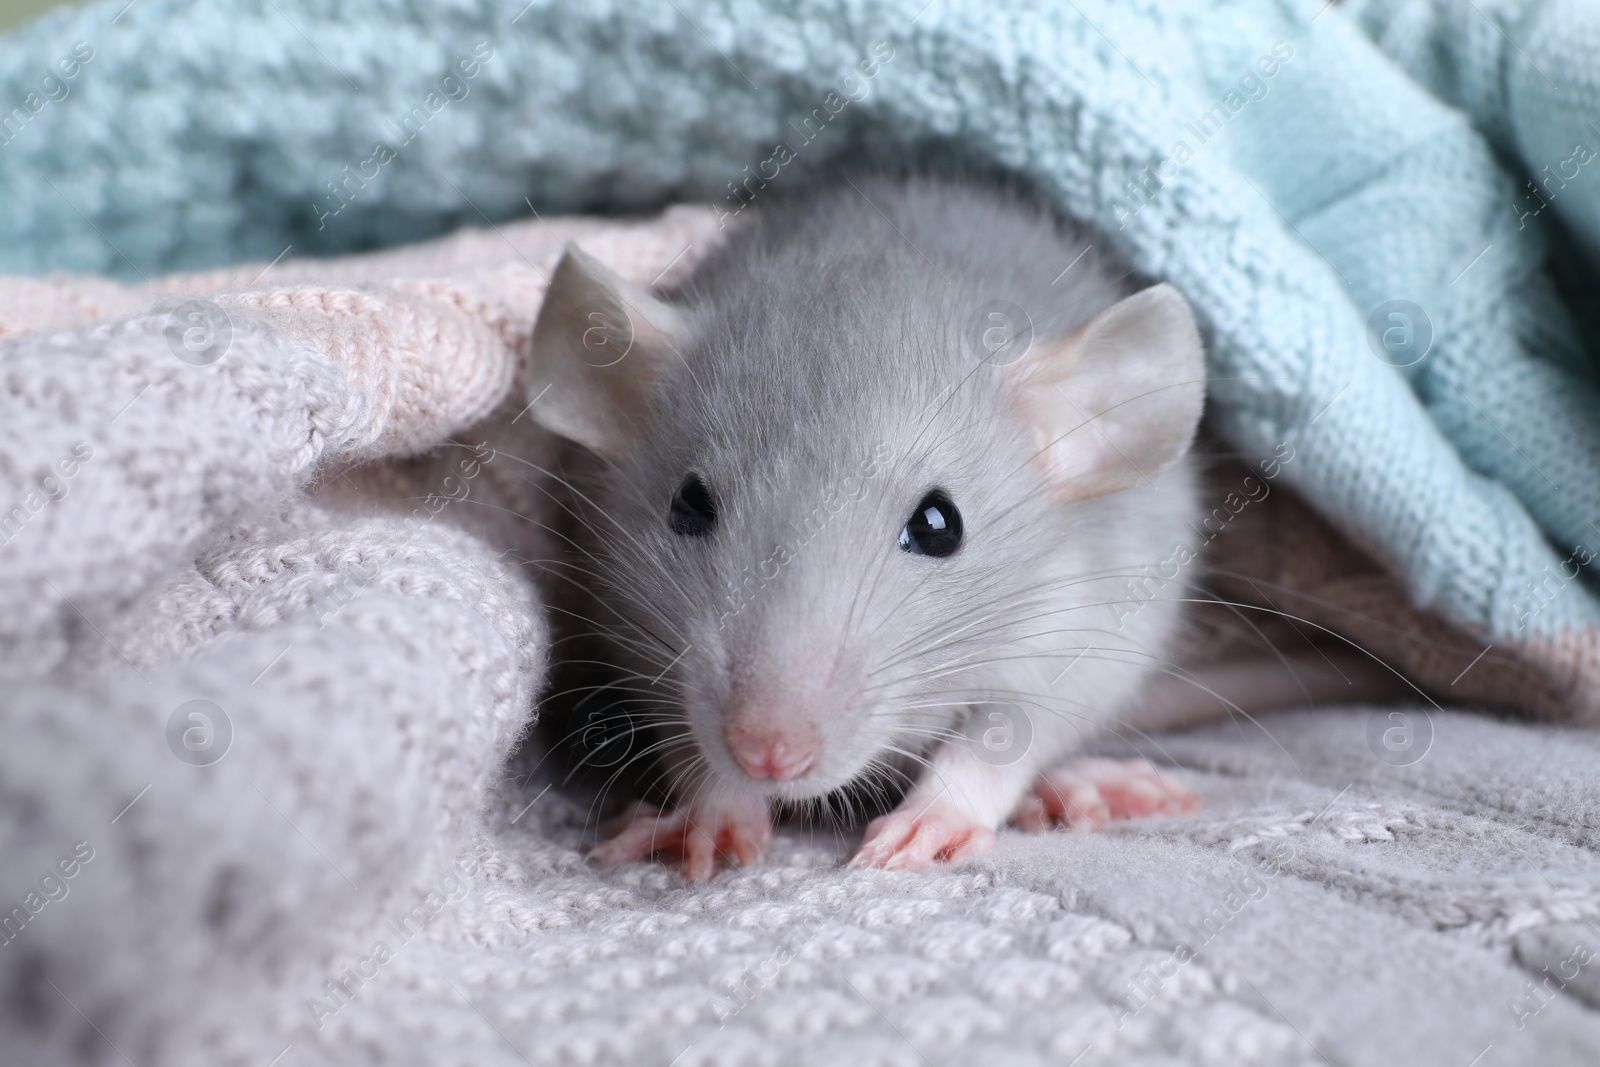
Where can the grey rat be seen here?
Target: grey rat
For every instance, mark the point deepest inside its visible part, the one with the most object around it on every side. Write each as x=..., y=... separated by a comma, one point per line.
x=858, y=504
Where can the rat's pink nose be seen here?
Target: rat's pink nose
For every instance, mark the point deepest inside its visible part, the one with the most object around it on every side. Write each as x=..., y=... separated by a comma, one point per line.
x=771, y=754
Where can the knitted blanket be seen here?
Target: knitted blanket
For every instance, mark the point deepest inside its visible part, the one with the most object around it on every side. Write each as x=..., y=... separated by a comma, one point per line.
x=268, y=645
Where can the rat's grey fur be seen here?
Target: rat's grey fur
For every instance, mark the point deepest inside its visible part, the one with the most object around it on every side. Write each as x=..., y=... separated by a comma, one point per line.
x=828, y=332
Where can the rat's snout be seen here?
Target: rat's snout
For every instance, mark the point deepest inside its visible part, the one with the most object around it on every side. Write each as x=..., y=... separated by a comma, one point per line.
x=765, y=746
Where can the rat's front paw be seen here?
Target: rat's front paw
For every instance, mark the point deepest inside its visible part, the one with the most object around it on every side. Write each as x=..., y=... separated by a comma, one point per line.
x=1086, y=794
x=919, y=834
x=735, y=832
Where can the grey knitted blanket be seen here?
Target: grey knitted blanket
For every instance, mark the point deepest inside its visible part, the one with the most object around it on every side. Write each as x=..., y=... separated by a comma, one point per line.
x=255, y=806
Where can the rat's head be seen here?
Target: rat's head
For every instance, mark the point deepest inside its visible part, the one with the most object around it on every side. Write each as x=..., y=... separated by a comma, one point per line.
x=815, y=527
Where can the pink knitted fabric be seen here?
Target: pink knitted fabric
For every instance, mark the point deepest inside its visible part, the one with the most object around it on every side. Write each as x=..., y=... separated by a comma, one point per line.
x=431, y=334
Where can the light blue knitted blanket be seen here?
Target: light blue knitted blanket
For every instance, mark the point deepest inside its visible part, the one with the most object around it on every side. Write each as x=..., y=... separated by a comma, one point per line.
x=1385, y=213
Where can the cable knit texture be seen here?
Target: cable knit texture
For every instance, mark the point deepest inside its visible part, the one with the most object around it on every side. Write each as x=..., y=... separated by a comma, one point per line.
x=268, y=646
x=362, y=879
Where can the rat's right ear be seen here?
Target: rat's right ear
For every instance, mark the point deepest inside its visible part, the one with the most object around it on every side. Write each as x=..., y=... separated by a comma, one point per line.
x=1118, y=400
x=597, y=349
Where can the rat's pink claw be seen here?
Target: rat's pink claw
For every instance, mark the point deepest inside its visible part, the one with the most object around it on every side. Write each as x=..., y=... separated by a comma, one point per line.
x=915, y=837
x=1087, y=794
x=732, y=833
x=640, y=831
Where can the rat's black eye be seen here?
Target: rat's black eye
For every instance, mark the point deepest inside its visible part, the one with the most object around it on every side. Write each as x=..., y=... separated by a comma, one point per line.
x=694, y=513
x=934, y=529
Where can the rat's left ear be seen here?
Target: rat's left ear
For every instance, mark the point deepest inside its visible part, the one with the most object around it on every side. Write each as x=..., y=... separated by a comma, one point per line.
x=1117, y=401
x=597, y=350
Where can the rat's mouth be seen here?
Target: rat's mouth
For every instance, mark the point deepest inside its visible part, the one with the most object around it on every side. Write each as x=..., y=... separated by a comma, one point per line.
x=781, y=757
x=776, y=748
x=816, y=778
